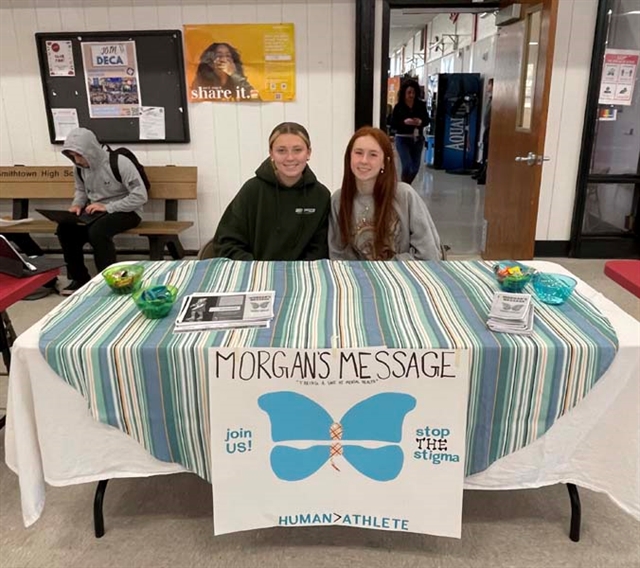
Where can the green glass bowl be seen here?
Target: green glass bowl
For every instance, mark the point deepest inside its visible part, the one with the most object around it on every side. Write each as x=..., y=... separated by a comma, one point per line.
x=514, y=283
x=553, y=288
x=123, y=278
x=155, y=302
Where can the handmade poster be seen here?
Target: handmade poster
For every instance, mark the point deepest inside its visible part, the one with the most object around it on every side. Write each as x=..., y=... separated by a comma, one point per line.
x=64, y=121
x=618, y=76
x=60, y=58
x=240, y=62
x=111, y=77
x=370, y=438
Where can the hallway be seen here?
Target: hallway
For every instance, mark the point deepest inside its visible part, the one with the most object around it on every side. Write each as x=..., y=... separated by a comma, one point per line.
x=456, y=203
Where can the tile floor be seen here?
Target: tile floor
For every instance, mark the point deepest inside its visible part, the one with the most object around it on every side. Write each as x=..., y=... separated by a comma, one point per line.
x=456, y=203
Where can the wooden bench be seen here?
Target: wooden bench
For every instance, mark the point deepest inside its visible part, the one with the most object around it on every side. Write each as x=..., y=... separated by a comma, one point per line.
x=169, y=183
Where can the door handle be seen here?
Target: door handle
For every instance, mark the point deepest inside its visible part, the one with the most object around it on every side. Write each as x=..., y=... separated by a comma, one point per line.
x=531, y=159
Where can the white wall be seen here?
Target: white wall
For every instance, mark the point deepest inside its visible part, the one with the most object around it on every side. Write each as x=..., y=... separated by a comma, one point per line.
x=228, y=141
x=469, y=57
x=567, y=102
x=441, y=25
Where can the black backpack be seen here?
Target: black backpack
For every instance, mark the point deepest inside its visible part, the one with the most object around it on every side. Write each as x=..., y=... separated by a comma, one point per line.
x=113, y=162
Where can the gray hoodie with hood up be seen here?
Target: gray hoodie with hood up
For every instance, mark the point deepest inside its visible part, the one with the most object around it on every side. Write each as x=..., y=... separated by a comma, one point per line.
x=98, y=184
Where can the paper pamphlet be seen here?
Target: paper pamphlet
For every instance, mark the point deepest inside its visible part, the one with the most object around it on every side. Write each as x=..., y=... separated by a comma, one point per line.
x=64, y=121
x=225, y=310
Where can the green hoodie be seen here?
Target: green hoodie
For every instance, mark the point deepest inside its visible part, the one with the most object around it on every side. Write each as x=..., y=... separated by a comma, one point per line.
x=269, y=221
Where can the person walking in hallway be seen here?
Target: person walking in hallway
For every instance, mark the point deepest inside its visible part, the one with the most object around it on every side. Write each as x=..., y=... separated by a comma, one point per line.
x=408, y=122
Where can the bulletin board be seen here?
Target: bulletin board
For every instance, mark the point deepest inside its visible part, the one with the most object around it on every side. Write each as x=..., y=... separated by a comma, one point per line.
x=127, y=86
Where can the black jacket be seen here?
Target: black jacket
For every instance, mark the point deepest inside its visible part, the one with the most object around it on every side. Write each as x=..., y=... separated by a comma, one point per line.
x=401, y=112
x=269, y=221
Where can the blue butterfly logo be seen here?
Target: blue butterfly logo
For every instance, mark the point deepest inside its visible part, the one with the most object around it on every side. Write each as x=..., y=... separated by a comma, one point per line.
x=295, y=417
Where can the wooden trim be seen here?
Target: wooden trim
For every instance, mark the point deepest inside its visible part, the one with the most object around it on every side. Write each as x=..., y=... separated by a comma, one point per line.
x=173, y=190
x=56, y=182
x=36, y=190
x=43, y=190
x=61, y=174
x=38, y=226
x=550, y=36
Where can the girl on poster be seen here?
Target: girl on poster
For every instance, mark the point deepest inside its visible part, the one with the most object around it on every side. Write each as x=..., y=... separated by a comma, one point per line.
x=221, y=75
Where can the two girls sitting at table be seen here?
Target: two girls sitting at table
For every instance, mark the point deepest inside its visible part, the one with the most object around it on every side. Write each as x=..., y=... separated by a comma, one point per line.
x=285, y=213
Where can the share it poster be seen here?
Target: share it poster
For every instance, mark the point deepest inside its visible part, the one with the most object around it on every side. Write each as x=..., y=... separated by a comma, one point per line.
x=240, y=62
x=370, y=438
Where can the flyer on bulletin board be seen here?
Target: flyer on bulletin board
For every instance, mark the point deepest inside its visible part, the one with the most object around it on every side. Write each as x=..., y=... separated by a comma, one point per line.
x=111, y=77
x=60, y=58
x=240, y=62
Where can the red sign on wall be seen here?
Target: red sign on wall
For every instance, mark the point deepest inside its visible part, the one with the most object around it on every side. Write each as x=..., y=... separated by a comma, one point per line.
x=618, y=76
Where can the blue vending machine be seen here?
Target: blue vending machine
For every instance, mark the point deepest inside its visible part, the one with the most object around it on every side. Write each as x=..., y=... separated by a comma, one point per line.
x=457, y=121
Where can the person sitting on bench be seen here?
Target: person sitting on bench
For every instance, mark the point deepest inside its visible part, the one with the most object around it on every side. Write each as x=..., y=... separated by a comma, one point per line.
x=97, y=189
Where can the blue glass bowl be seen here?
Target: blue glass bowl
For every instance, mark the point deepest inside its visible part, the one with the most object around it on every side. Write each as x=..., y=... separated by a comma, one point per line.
x=514, y=283
x=553, y=288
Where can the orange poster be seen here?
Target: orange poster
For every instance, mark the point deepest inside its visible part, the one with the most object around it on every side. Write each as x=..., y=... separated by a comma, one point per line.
x=240, y=62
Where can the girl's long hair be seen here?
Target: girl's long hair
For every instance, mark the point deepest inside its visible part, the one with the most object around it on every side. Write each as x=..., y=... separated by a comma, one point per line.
x=384, y=193
x=206, y=72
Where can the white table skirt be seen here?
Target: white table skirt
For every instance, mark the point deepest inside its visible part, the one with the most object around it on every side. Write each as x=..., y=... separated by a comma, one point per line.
x=51, y=436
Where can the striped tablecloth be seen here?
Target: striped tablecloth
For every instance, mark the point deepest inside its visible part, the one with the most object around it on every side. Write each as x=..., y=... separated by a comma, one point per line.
x=140, y=377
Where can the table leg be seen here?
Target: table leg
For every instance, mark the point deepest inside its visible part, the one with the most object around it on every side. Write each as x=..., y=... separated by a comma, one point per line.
x=98, y=519
x=576, y=513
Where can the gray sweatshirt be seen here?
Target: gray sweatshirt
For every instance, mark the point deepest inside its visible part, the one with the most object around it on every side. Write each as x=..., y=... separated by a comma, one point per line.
x=414, y=234
x=98, y=184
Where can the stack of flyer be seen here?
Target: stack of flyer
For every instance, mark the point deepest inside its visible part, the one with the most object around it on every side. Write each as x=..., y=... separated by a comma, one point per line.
x=229, y=310
x=511, y=313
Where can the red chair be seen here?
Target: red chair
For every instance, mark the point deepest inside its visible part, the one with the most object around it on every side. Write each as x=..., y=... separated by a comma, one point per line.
x=626, y=273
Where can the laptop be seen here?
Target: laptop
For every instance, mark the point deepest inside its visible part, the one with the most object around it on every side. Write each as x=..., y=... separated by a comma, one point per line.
x=62, y=216
x=15, y=264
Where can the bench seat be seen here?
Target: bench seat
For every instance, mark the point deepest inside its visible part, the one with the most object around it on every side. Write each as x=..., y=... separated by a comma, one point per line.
x=170, y=184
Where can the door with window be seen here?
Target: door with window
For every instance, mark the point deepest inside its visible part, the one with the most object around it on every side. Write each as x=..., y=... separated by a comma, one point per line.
x=524, y=54
x=606, y=221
